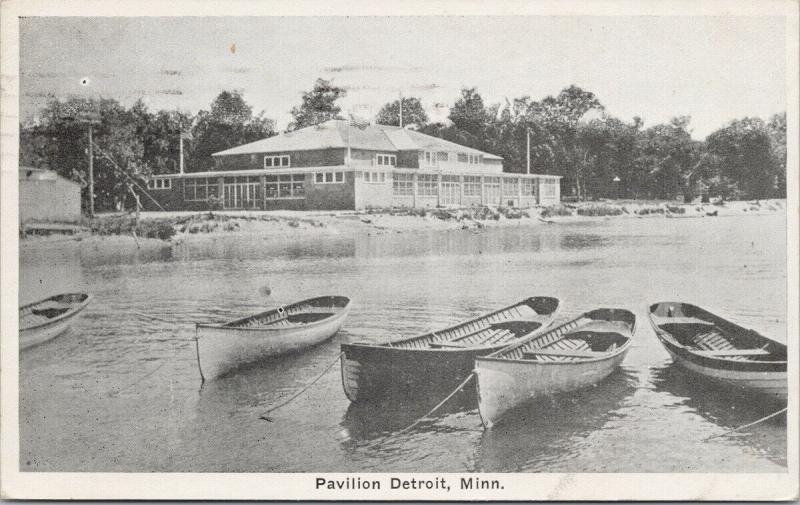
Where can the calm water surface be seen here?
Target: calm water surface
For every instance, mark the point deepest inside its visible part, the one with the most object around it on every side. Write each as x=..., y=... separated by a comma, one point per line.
x=121, y=390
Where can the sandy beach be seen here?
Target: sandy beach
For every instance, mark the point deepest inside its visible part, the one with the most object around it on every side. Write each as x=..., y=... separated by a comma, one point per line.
x=199, y=226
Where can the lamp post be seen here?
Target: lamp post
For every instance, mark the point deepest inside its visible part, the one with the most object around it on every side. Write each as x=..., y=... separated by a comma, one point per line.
x=616, y=185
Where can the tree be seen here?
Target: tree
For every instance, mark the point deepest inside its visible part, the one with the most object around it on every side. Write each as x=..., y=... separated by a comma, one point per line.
x=777, y=132
x=745, y=151
x=318, y=106
x=669, y=156
x=468, y=113
x=60, y=143
x=229, y=123
x=413, y=113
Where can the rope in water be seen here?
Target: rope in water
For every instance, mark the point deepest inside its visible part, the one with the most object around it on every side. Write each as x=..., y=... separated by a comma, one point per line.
x=748, y=425
x=437, y=407
x=140, y=379
x=276, y=407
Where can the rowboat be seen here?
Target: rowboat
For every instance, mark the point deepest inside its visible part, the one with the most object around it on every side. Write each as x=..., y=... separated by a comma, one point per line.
x=437, y=360
x=225, y=347
x=720, y=350
x=46, y=319
x=577, y=354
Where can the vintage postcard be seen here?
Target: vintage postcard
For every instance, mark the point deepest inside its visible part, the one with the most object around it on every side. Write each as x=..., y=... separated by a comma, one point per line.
x=399, y=251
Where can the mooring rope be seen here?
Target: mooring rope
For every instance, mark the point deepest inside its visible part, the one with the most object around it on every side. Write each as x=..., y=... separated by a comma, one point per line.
x=140, y=379
x=434, y=409
x=747, y=425
x=276, y=407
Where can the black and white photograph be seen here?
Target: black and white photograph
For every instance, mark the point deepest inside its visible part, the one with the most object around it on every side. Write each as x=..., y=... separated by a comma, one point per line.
x=345, y=252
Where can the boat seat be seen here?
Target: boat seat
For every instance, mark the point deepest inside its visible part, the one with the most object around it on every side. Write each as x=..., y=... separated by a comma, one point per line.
x=685, y=320
x=440, y=345
x=734, y=352
x=567, y=354
x=50, y=312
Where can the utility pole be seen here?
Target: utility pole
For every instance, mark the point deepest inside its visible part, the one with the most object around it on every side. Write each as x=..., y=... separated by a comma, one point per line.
x=401, y=109
x=181, y=153
x=91, y=173
x=528, y=134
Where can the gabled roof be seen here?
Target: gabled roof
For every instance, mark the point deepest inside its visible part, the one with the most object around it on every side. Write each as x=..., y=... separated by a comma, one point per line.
x=339, y=133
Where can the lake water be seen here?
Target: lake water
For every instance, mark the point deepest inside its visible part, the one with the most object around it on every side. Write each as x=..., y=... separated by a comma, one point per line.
x=121, y=391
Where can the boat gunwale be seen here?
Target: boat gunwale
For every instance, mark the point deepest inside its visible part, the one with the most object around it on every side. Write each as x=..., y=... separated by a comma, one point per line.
x=341, y=311
x=389, y=344
x=69, y=313
x=601, y=357
x=667, y=339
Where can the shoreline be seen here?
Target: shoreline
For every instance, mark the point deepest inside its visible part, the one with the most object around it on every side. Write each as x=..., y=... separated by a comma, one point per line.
x=191, y=227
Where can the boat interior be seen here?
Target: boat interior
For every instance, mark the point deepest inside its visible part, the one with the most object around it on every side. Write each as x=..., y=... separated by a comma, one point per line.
x=37, y=313
x=578, y=345
x=711, y=336
x=471, y=335
x=592, y=335
x=297, y=314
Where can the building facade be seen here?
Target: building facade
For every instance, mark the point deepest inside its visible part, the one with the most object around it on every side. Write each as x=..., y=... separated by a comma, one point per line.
x=46, y=196
x=339, y=166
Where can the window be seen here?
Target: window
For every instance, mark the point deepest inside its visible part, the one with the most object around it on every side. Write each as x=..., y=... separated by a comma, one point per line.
x=328, y=177
x=442, y=156
x=462, y=158
x=427, y=185
x=388, y=160
x=472, y=186
x=374, y=177
x=429, y=158
x=200, y=190
x=276, y=161
x=549, y=187
x=528, y=187
x=159, y=184
x=511, y=186
x=474, y=159
x=403, y=184
x=285, y=186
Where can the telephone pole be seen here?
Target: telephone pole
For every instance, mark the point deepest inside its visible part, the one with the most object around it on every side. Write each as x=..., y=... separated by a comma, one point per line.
x=528, y=134
x=91, y=174
x=401, y=109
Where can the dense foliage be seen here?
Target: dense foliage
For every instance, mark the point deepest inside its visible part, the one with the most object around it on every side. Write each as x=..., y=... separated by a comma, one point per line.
x=571, y=134
x=600, y=155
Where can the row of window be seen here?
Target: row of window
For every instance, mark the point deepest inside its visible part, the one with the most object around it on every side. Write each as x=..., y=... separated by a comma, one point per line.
x=293, y=185
x=159, y=184
x=276, y=161
x=375, y=177
x=285, y=186
x=329, y=177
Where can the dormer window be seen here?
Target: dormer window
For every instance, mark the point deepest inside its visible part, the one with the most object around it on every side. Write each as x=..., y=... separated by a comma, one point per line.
x=276, y=161
x=386, y=160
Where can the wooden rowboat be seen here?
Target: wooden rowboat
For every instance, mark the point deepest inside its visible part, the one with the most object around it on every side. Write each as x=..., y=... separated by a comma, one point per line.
x=225, y=347
x=438, y=360
x=571, y=356
x=46, y=319
x=720, y=350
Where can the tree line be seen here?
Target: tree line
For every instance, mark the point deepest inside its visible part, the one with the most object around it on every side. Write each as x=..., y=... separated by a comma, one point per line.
x=571, y=134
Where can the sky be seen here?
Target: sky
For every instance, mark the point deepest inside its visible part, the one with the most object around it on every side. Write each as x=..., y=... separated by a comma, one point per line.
x=714, y=69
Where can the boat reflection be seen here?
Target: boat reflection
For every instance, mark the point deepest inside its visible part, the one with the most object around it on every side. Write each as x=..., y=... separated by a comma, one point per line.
x=371, y=421
x=534, y=435
x=728, y=408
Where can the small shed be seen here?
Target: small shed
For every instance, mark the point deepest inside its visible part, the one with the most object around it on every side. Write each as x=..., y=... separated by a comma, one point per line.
x=46, y=196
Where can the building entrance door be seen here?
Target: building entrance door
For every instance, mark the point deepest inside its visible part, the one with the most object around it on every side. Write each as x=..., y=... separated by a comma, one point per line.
x=241, y=193
x=451, y=191
x=492, y=191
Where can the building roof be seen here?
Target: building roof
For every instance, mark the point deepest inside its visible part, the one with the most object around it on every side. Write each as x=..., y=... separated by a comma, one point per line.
x=339, y=134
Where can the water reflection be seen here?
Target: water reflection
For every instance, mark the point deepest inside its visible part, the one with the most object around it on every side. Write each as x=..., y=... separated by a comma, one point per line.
x=728, y=408
x=553, y=428
x=370, y=421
